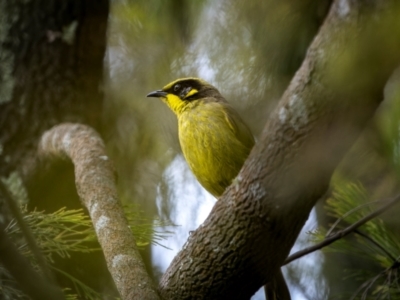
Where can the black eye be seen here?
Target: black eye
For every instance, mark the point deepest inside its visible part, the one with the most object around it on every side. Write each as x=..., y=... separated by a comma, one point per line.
x=177, y=87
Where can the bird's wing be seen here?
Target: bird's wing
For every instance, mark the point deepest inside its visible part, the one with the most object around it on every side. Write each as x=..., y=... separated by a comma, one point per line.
x=239, y=128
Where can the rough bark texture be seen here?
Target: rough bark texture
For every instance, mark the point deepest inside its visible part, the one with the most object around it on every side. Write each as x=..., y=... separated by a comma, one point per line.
x=51, y=62
x=252, y=228
x=94, y=177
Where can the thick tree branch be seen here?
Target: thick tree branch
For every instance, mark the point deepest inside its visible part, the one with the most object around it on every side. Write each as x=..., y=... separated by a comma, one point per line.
x=342, y=233
x=253, y=226
x=94, y=177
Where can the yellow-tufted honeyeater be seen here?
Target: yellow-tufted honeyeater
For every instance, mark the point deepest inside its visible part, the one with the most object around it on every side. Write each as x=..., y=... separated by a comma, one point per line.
x=215, y=142
x=214, y=139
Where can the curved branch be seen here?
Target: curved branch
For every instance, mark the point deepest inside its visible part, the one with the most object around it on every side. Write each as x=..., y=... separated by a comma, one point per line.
x=95, y=182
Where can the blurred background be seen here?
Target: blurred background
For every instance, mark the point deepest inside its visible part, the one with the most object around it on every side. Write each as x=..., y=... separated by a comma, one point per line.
x=249, y=50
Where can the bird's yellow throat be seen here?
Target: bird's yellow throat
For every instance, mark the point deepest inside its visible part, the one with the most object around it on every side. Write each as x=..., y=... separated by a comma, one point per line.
x=176, y=104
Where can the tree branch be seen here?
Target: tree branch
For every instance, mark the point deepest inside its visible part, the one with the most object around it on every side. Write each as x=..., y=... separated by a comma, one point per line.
x=95, y=182
x=342, y=233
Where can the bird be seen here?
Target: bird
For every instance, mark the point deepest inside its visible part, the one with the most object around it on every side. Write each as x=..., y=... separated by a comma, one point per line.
x=214, y=139
x=215, y=142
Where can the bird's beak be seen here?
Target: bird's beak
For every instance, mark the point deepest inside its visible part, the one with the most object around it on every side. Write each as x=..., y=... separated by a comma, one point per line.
x=159, y=93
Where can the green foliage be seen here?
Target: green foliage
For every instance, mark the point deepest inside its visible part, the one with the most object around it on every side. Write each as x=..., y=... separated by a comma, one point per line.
x=8, y=289
x=60, y=232
x=144, y=231
x=83, y=291
x=66, y=231
x=374, y=242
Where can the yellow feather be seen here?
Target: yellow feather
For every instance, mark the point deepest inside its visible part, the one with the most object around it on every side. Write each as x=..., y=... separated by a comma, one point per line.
x=174, y=103
x=191, y=93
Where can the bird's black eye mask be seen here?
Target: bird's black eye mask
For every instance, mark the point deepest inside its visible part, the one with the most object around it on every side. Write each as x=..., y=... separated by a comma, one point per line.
x=184, y=91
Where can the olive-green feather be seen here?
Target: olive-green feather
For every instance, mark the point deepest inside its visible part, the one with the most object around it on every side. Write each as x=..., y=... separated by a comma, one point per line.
x=215, y=143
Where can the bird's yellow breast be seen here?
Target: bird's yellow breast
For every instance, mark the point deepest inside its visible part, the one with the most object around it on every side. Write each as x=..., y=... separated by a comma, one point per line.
x=215, y=143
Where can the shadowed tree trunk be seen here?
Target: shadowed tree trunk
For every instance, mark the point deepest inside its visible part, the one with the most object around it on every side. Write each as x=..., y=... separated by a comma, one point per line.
x=51, y=71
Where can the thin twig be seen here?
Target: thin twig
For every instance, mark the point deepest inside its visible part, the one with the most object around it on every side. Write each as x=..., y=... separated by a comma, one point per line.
x=342, y=233
x=350, y=212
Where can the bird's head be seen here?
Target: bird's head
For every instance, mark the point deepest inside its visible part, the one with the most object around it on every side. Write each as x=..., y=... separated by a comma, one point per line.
x=181, y=92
